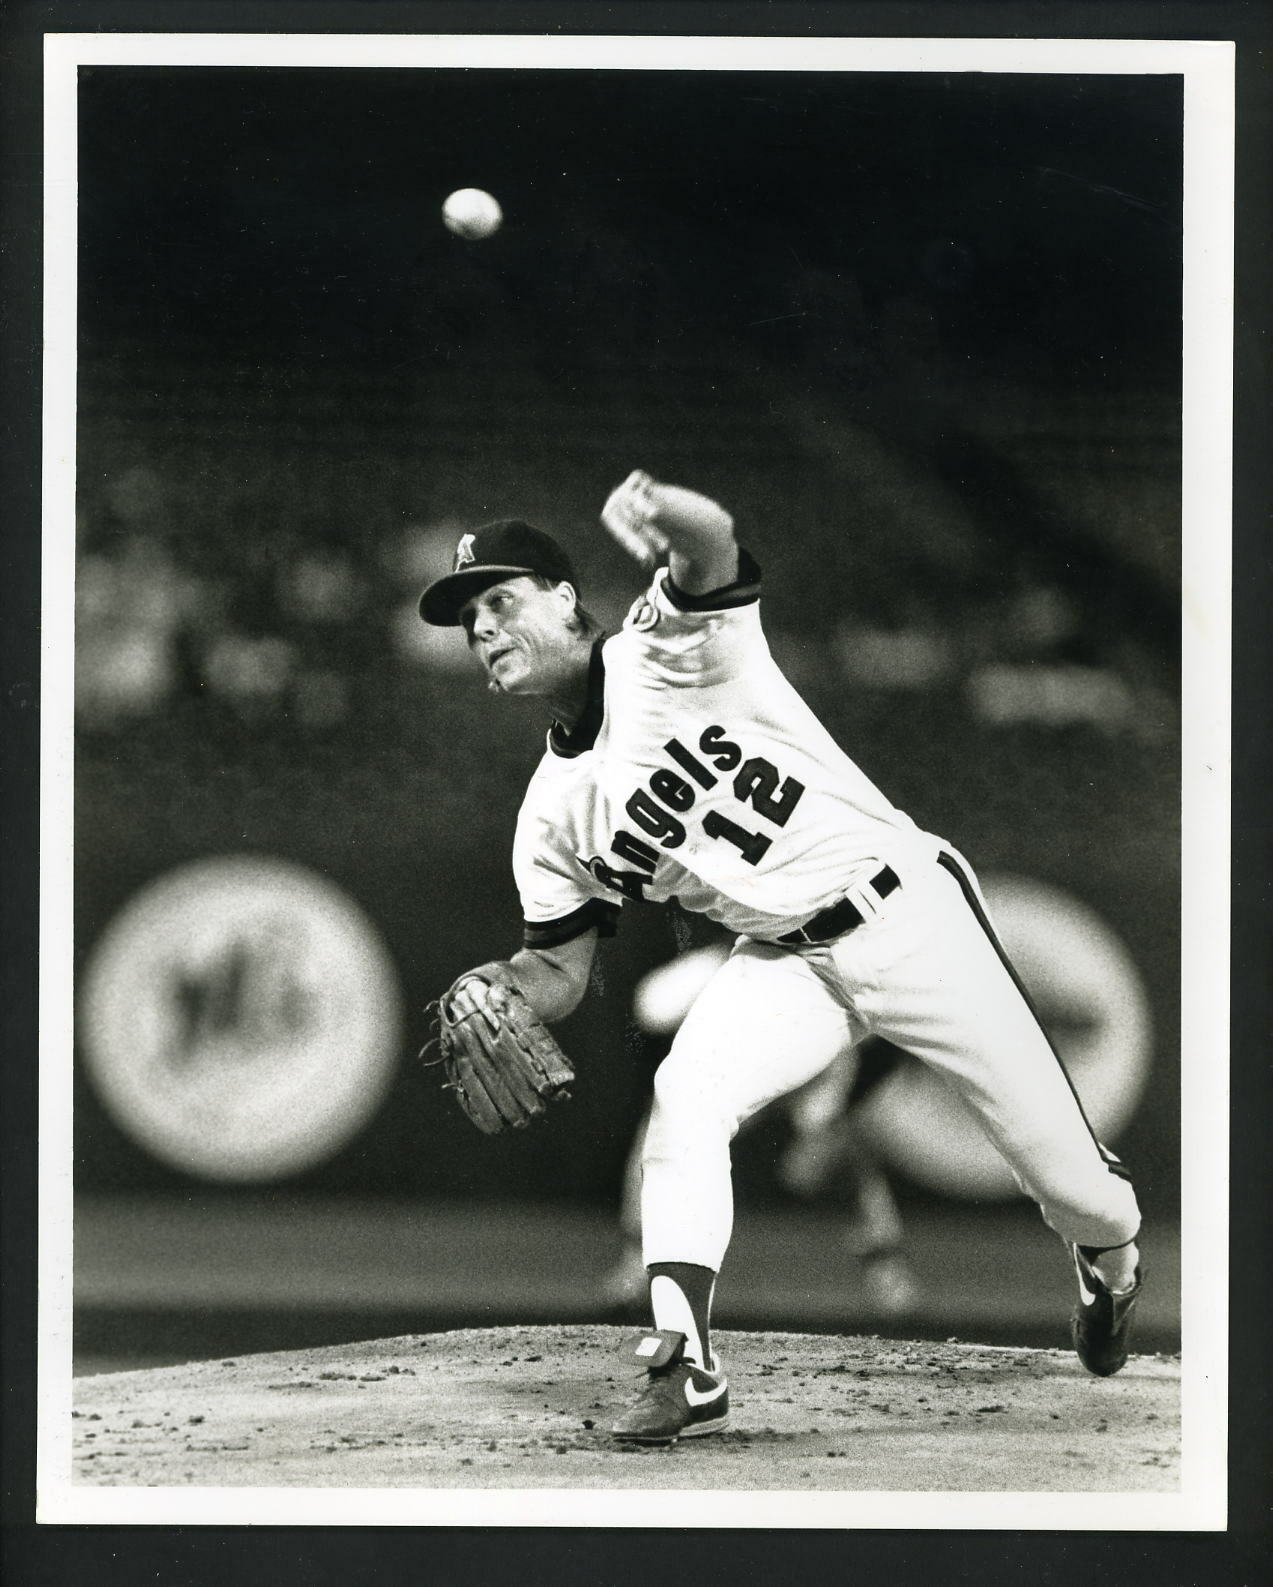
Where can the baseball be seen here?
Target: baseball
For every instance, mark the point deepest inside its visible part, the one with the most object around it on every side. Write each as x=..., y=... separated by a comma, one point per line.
x=470, y=212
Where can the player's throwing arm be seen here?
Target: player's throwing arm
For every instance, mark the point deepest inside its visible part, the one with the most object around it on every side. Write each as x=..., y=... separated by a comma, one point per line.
x=651, y=520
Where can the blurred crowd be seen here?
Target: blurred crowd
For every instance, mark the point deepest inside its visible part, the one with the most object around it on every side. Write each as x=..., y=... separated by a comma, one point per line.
x=232, y=609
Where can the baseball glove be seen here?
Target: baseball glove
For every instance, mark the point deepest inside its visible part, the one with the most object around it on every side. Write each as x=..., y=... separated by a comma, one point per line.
x=500, y=1060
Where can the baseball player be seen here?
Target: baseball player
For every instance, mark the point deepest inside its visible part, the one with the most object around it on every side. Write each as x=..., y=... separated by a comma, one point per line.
x=680, y=763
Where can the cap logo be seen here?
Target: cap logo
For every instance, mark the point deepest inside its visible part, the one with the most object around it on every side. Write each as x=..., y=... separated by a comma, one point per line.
x=464, y=553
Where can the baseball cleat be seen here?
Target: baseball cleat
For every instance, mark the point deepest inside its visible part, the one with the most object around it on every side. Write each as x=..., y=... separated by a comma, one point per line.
x=1101, y=1326
x=680, y=1399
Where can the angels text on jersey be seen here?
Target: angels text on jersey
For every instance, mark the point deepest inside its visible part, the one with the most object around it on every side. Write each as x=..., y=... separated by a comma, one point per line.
x=663, y=805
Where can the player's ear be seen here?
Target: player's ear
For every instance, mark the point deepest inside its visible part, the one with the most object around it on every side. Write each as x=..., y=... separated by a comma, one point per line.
x=569, y=597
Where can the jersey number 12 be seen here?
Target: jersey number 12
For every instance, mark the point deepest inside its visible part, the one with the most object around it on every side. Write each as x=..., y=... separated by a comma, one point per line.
x=756, y=783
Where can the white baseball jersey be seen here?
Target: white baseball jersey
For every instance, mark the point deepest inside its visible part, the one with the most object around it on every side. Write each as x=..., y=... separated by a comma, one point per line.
x=698, y=774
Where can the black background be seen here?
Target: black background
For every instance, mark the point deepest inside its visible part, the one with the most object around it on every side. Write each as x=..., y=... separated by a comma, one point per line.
x=128, y=1555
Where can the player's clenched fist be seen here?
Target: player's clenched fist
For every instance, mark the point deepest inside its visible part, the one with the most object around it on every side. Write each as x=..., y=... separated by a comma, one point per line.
x=650, y=519
x=629, y=515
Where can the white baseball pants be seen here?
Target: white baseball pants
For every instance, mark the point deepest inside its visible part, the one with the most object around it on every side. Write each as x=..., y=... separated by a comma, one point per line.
x=925, y=973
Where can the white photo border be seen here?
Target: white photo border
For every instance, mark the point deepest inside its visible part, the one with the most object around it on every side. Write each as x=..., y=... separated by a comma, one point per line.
x=1207, y=69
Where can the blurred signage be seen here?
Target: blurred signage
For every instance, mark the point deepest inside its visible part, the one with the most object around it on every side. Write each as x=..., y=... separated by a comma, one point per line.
x=240, y=1018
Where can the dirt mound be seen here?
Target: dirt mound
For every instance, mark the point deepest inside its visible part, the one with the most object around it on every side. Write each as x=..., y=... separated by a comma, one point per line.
x=531, y=1407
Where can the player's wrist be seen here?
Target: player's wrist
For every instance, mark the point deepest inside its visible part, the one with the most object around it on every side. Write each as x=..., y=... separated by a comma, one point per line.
x=702, y=550
x=688, y=519
x=497, y=971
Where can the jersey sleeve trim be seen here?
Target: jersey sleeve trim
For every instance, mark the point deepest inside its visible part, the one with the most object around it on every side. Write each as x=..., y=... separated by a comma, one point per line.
x=598, y=912
x=742, y=592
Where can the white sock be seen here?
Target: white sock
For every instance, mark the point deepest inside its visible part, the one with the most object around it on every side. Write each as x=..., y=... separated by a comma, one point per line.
x=672, y=1310
x=1116, y=1269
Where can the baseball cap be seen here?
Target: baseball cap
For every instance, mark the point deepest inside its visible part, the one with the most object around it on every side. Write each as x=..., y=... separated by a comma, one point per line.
x=487, y=555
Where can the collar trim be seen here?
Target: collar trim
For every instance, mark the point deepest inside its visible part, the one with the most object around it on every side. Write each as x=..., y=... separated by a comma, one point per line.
x=583, y=735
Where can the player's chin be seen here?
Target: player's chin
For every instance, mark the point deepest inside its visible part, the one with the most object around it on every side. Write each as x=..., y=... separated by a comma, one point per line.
x=511, y=675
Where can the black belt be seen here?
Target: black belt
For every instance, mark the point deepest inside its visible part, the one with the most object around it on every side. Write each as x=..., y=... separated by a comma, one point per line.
x=836, y=919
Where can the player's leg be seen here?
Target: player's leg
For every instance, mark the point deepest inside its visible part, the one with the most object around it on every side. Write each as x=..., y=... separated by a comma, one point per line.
x=1109, y=1276
x=764, y=1025
x=939, y=985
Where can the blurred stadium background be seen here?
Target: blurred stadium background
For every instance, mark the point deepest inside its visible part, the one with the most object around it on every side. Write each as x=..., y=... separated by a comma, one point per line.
x=920, y=332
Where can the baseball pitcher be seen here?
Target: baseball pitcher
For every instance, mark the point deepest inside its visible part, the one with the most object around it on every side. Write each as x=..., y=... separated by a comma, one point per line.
x=681, y=763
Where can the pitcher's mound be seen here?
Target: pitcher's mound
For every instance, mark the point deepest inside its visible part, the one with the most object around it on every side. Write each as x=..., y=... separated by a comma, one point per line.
x=532, y=1407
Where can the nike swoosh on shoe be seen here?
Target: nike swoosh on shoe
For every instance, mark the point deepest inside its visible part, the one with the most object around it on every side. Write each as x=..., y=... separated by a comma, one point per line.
x=703, y=1397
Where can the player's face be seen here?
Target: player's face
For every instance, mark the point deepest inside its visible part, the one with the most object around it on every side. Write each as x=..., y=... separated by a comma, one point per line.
x=522, y=635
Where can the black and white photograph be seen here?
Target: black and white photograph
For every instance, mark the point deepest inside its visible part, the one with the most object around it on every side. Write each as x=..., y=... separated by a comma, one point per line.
x=633, y=833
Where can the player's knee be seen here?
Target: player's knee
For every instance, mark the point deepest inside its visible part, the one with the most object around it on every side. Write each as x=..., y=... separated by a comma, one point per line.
x=685, y=1116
